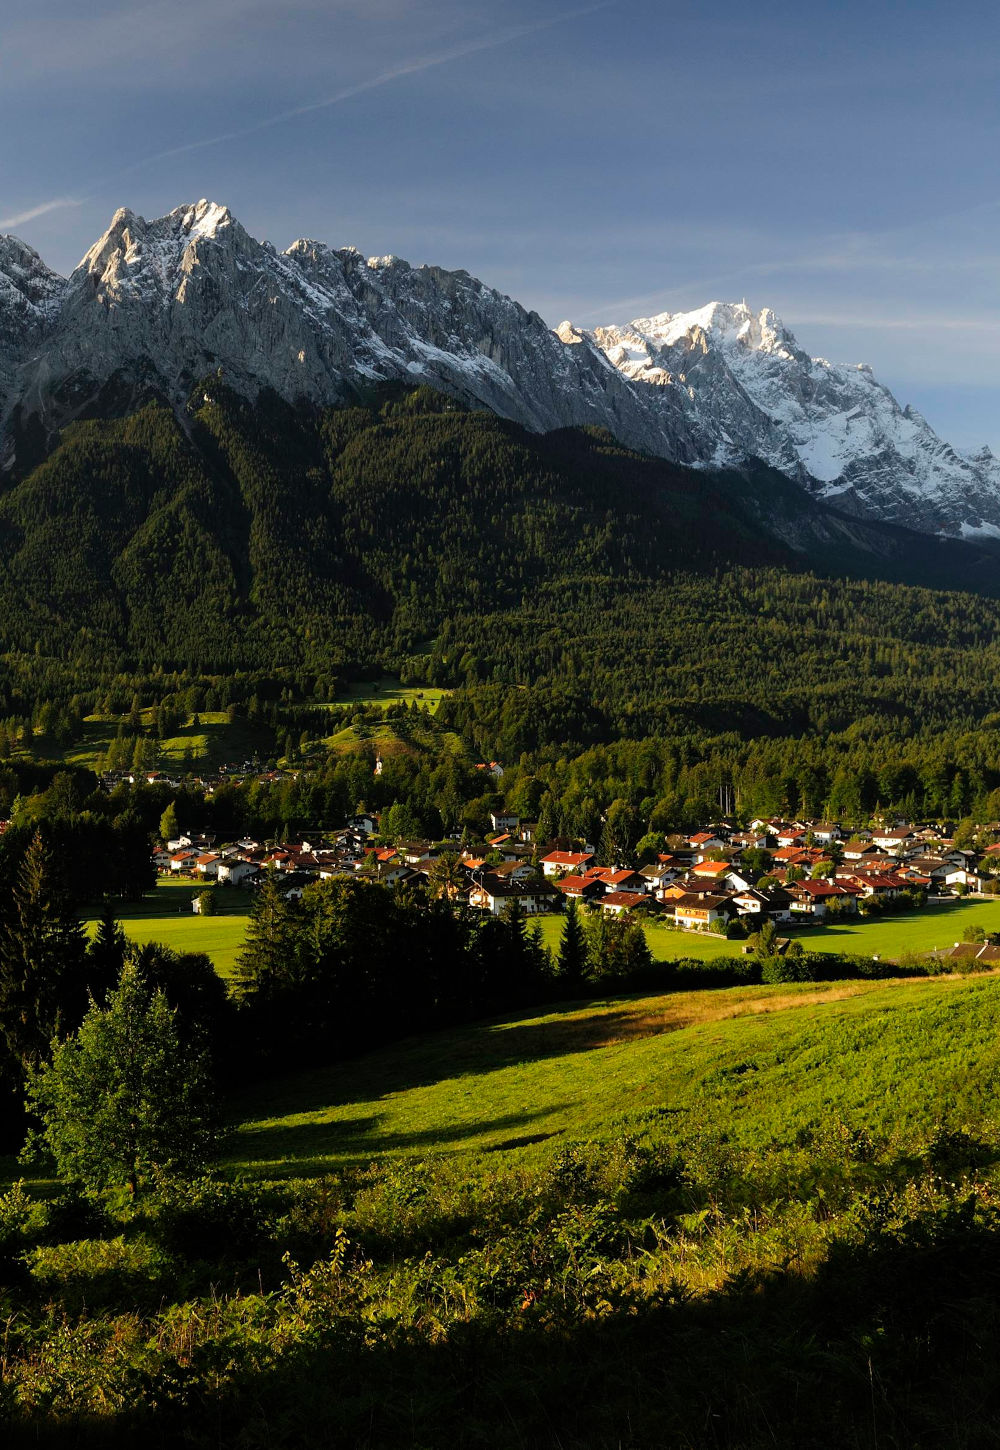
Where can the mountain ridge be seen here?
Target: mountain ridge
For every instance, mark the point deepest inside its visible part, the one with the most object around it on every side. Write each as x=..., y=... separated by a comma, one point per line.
x=155, y=305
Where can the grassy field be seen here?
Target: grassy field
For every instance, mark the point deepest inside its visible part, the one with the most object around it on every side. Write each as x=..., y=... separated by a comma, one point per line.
x=212, y=742
x=770, y=1211
x=166, y=916
x=763, y=1065
x=888, y=938
x=389, y=691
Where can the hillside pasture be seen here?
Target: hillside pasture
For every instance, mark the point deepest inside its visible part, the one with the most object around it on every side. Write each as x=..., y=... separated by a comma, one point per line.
x=214, y=741
x=388, y=691
x=892, y=937
x=764, y=1066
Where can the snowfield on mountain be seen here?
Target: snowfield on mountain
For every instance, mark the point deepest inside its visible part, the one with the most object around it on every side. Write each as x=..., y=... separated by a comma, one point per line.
x=156, y=305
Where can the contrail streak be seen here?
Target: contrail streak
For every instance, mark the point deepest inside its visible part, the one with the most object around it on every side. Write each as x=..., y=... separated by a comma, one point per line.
x=384, y=78
x=21, y=217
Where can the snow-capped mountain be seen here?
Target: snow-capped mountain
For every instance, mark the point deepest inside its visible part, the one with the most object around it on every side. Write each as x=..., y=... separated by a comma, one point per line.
x=159, y=304
x=834, y=428
x=163, y=303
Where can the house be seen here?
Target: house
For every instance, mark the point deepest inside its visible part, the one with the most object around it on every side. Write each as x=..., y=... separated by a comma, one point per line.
x=658, y=876
x=699, y=913
x=711, y=870
x=393, y=873
x=366, y=824
x=811, y=898
x=581, y=888
x=619, y=879
x=558, y=863
x=513, y=871
x=207, y=865
x=899, y=841
x=825, y=831
x=493, y=893
x=758, y=905
x=874, y=884
x=967, y=952
x=737, y=879
x=511, y=850
x=704, y=841
x=493, y=768
x=962, y=876
x=504, y=822
x=183, y=860
x=236, y=873
x=617, y=903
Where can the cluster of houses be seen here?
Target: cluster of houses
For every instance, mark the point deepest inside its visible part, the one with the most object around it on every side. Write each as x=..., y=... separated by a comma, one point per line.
x=802, y=870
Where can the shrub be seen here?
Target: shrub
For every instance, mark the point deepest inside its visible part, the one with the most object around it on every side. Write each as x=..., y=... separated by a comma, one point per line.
x=208, y=1219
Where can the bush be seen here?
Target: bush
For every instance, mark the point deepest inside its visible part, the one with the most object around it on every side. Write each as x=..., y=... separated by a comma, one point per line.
x=207, y=1219
x=797, y=968
x=73, y=1215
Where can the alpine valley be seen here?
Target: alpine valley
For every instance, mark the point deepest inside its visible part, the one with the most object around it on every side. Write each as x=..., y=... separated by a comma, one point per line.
x=155, y=306
x=486, y=818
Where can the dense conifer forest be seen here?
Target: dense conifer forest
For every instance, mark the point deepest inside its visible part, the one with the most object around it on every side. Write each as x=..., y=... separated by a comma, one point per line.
x=571, y=593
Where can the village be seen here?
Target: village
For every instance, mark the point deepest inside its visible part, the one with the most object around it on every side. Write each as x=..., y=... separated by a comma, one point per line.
x=723, y=879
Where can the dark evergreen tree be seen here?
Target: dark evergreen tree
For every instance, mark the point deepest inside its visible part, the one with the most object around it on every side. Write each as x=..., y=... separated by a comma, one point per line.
x=42, y=956
x=572, y=962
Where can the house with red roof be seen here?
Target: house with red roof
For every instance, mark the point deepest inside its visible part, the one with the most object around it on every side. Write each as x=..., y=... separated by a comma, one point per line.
x=560, y=863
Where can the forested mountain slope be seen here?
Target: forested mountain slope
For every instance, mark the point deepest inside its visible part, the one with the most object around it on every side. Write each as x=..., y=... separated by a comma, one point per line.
x=296, y=547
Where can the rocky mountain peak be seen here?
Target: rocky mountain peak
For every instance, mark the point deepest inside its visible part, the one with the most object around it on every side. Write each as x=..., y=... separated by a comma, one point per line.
x=162, y=303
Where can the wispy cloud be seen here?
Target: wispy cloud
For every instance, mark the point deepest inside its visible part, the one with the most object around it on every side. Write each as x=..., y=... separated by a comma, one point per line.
x=912, y=322
x=491, y=41
x=58, y=203
x=416, y=66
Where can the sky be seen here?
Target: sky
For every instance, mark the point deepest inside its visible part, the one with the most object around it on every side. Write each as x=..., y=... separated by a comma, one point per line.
x=836, y=162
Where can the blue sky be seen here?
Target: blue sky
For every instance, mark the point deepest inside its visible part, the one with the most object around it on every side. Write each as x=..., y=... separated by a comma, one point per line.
x=836, y=162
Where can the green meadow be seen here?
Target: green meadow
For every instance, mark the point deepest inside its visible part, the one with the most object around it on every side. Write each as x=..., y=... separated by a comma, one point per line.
x=211, y=743
x=763, y=1066
x=886, y=937
x=773, y=1211
x=166, y=916
x=388, y=691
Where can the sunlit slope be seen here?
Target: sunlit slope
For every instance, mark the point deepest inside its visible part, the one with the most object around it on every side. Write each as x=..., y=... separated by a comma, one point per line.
x=764, y=1067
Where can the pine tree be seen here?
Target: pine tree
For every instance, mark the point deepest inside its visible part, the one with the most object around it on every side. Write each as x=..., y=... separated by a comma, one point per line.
x=572, y=962
x=105, y=957
x=265, y=961
x=42, y=953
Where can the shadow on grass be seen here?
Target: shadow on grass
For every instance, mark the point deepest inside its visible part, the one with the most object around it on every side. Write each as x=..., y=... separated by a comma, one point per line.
x=471, y=1052
x=175, y=898
x=307, y=1147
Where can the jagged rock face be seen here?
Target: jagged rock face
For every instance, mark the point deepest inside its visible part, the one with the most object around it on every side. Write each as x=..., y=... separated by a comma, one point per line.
x=29, y=294
x=835, y=429
x=162, y=303
x=168, y=301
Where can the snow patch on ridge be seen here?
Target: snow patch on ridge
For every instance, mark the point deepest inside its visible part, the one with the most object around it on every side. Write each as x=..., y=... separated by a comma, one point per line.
x=746, y=382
